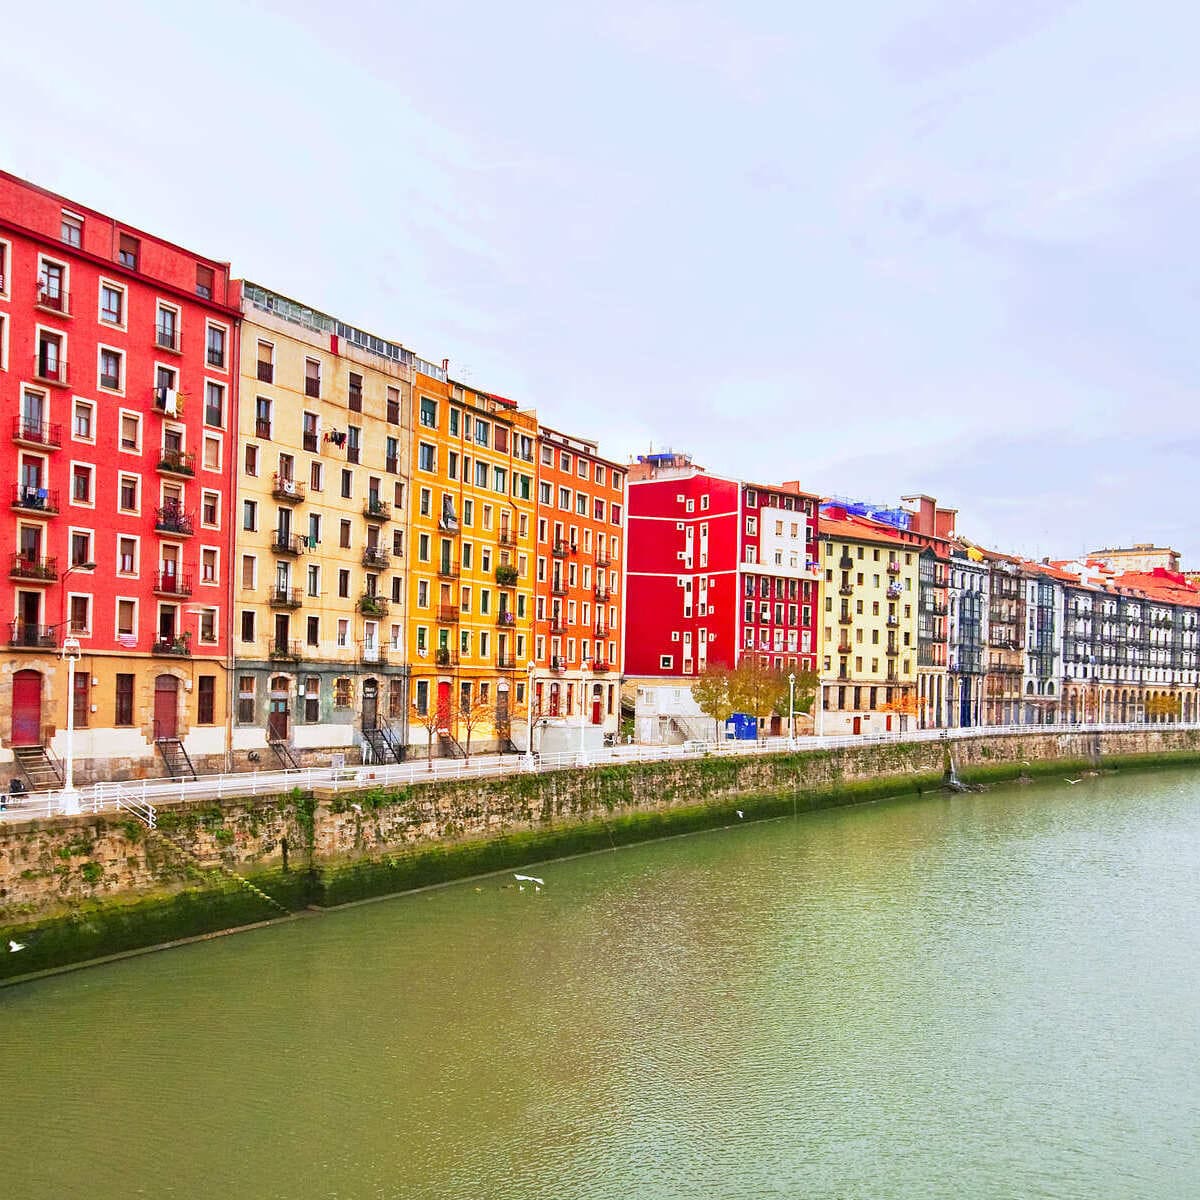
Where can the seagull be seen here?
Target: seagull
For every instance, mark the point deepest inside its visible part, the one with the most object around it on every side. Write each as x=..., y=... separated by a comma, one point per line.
x=356, y=807
x=13, y=947
x=1074, y=780
x=530, y=879
x=741, y=815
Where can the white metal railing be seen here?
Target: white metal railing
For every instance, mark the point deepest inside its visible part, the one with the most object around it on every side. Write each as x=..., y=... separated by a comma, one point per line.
x=142, y=797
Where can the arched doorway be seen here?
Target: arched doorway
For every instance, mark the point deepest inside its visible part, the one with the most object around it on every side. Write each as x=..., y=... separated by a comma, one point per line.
x=27, y=708
x=370, y=704
x=166, y=707
x=279, y=711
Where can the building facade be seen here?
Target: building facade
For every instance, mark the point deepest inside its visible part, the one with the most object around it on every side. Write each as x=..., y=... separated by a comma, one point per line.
x=578, y=593
x=319, y=588
x=967, y=636
x=118, y=380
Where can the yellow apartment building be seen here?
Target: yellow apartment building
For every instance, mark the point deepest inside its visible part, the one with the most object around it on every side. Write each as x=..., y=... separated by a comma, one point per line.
x=870, y=575
x=470, y=585
x=319, y=593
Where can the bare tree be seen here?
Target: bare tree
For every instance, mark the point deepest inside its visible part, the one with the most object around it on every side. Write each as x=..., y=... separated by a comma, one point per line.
x=713, y=694
x=475, y=712
x=430, y=720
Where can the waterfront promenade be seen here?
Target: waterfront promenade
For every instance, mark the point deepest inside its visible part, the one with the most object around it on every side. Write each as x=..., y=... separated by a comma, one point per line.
x=143, y=797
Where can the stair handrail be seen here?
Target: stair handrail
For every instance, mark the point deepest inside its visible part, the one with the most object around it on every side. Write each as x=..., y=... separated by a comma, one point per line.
x=126, y=801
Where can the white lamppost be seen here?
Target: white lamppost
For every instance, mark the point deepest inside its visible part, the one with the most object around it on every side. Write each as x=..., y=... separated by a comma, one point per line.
x=71, y=654
x=583, y=697
x=529, y=708
x=792, y=710
x=818, y=712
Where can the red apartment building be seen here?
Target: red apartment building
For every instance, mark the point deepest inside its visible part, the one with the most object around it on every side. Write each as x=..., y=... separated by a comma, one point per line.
x=717, y=568
x=118, y=369
x=578, y=601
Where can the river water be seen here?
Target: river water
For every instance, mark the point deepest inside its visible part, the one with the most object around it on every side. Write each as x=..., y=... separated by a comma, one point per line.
x=973, y=996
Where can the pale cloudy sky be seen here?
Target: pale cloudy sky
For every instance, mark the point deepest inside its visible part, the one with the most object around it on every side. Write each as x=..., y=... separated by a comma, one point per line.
x=928, y=245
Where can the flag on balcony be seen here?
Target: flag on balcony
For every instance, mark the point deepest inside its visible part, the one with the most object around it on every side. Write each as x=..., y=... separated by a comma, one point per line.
x=127, y=640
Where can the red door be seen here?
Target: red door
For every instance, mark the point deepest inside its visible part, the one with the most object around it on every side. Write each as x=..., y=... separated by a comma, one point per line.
x=858, y=724
x=27, y=708
x=277, y=720
x=166, y=710
x=443, y=708
x=595, y=712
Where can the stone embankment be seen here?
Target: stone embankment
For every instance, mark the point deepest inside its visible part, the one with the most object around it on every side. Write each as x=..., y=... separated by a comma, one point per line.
x=77, y=888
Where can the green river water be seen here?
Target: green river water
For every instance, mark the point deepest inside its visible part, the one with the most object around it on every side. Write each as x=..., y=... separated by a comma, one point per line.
x=994, y=995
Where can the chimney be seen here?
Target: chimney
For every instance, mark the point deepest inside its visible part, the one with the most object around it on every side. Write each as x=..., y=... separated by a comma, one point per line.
x=446, y=365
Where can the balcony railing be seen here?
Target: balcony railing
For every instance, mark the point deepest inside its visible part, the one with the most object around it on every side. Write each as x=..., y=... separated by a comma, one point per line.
x=54, y=300
x=893, y=567
x=375, y=558
x=506, y=538
x=558, y=625
x=28, y=635
x=40, y=570
x=287, y=490
x=845, y=563
x=266, y=372
x=444, y=657
x=282, y=597
x=845, y=618
x=391, y=465
x=561, y=549
x=177, y=462
x=506, y=618
x=603, y=595
x=449, y=525
x=166, y=337
x=894, y=592
x=310, y=443
x=171, y=583
x=603, y=562
x=448, y=614
x=41, y=434
x=215, y=357
x=175, y=647
x=601, y=631
x=506, y=576
x=29, y=498
x=371, y=604
x=312, y=387
x=506, y=662
x=558, y=587
x=844, y=648
x=892, y=650
x=51, y=370
x=288, y=543
x=847, y=589
x=283, y=650
x=558, y=664
x=447, y=570
x=262, y=428
x=370, y=655
x=173, y=520
x=601, y=665
x=375, y=509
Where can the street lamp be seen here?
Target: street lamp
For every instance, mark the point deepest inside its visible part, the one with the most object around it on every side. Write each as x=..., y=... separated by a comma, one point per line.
x=583, y=706
x=71, y=654
x=792, y=710
x=529, y=708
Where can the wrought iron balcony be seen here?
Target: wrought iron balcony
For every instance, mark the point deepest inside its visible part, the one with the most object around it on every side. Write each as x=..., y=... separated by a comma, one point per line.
x=506, y=618
x=844, y=648
x=288, y=543
x=28, y=635
x=41, y=434
x=558, y=587
x=506, y=576
x=448, y=570
x=287, y=490
x=506, y=538
x=558, y=664
x=845, y=618
x=371, y=604
x=558, y=625
x=444, y=657
x=282, y=597
x=171, y=583
x=36, y=570
x=603, y=595
x=375, y=509
x=177, y=462
x=448, y=614
x=172, y=519
x=561, y=549
x=174, y=647
x=283, y=650
x=601, y=666
x=55, y=300
x=601, y=631
x=893, y=567
x=373, y=557
x=166, y=337
x=847, y=589
x=506, y=662
x=372, y=656
x=846, y=562
x=603, y=562
x=51, y=370
x=29, y=498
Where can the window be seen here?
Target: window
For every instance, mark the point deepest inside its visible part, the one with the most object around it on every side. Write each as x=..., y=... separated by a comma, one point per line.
x=208, y=626
x=347, y=484
x=665, y=661
x=81, y=547
x=124, y=702
x=126, y=556
x=208, y=565
x=393, y=406
x=312, y=377
x=214, y=404
x=266, y=362
x=426, y=457
x=110, y=369
x=343, y=584
x=344, y=535
x=355, y=392
x=341, y=693
x=72, y=230
x=262, y=417
x=83, y=421
x=251, y=466
x=312, y=694
x=206, y=699
x=312, y=631
x=112, y=304
x=126, y=620
x=204, y=282
x=80, y=609
x=212, y=453
x=245, y=708
x=81, y=483
x=250, y=515
x=167, y=328
x=247, y=625
x=127, y=493
x=482, y=431
x=216, y=347
x=429, y=413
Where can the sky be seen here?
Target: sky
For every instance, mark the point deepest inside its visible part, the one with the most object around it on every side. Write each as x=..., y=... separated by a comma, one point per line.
x=883, y=248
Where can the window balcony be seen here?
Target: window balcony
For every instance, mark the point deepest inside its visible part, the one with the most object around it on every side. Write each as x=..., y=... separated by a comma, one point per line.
x=506, y=538
x=448, y=614
x=844, y=648
x=448, y=570
x=288, y=543
x=41, y=435
x=558, y=625
x=375, y=558
x=847, y=589
x=601, y=631
x=445, y=657
x=894, y=592
x=282, y=597
x=27, y=635
x=177, y=462
x=558, y=664
x=892, y=650
x=506, y=662
x=845, y=618
x=506, y=575
x=601, y=666
x=561, y=549
x=53, y=371
x=28, y=498
x=603, y=562
x=283, y=650
x=558, y=587
x=33, y=570
x=371, y=604
x=171, y=583
x=172, y=647
x=893, y=567
x=371, y=655
x=845, y=563
x=55, y=300
x=166, y=337
x=603, y=595
x=310, y=443
x=375, y=509
x=287, y=491
x=171, y=519
x=506, y=618
x=449, y=526
x=262, y=428
x=266, y=372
